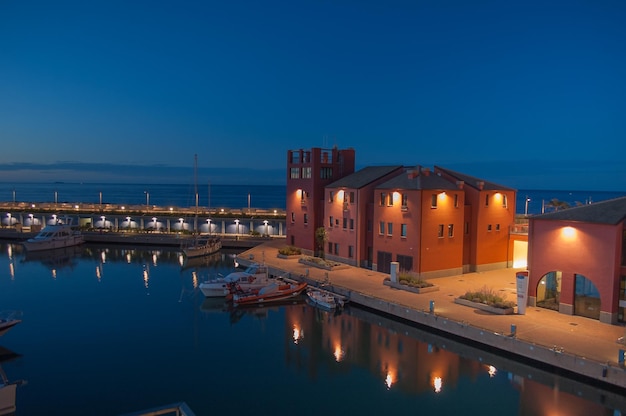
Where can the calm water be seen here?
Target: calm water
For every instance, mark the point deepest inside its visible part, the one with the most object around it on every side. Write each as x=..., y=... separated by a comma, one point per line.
x=114, y=330
x=228, y=196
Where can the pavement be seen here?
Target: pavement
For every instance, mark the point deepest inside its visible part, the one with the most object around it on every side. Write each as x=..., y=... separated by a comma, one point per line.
x=577, y=344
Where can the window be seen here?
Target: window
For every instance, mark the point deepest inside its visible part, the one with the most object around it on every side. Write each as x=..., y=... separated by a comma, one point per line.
x=306, y=173
x=306, y=218
x=504, y=200
x=306, y=157
x=390, y=228
x=303, y=195
x=351, y=224
x=345, y=223
x=467, y=228
x=489, y=227
x=403, y=230
x=337, y=248
x=381, y=229
x=370, y=225
x=405, y=201
x=405, y=263
x=295, y=173
x=440, y=231
x=295, y=157
x=351, y=197
x=350, y=251
x=456, y=200
x=450, y=230
x=433, y=201
x=497, y=227
x=330, y=221
x=326, y=173
x=330, y=247
x=383, y=197
x=293, y=217
x=390, y=199
x=331, y=196
x=337, y=222
x=487, y=200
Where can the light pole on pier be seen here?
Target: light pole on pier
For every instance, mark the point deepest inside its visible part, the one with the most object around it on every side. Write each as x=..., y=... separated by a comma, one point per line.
x=526, y=208
x=147, y=199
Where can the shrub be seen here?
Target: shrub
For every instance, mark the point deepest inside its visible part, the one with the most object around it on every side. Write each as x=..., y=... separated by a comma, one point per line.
x=290, y=251
x=487, y=296
x=412, y=281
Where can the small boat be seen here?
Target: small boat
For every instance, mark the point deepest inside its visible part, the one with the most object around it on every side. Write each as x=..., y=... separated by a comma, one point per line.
x=203, y=247
x=57, y=235
x=275, y=292
x=254, y=277
x=8, y=319
x=324, y=298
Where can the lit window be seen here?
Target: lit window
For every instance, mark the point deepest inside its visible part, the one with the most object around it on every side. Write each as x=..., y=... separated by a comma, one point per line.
x=295, y=173
x=440, y=231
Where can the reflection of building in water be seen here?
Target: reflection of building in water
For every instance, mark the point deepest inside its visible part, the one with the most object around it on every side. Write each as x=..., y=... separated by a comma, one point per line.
x=414, y=361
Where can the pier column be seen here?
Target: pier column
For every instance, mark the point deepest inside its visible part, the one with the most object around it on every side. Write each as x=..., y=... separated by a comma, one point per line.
x=141, y=224
x=223, y=227
x=280, y=228
x=251, y=226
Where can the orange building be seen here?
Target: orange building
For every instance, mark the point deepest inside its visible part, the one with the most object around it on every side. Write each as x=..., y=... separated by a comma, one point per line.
x=349, y=214
x=308, y=172
x=577, y=261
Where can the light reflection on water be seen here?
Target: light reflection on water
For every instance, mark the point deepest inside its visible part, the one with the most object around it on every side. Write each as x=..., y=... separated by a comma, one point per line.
x=109, y=330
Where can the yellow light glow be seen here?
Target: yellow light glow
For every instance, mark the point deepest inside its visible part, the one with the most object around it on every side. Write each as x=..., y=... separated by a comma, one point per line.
x=339, y=353
x=437, y=384
x=568, y=232
x=497, y=196
x=492, y=371
x=340, y=195
x=441, y=196
x=194, y=279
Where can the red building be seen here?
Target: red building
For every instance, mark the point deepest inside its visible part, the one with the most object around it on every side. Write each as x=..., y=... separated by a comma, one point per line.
x=308, y=172
x=577, y=261
x=349, y=211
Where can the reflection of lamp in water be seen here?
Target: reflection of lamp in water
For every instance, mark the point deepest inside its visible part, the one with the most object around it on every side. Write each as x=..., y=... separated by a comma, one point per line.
x=146, y=276
x=339, y=353
x=492, y=370
x=437, y=383
x=297, y=334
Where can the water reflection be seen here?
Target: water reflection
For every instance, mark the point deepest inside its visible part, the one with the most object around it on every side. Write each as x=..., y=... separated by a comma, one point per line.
x=8, y=387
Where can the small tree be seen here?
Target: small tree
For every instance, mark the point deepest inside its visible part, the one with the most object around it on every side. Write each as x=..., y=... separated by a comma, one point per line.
x=320, y=238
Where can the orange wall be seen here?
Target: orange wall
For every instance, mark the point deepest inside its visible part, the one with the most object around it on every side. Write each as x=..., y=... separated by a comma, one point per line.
x=592, y=251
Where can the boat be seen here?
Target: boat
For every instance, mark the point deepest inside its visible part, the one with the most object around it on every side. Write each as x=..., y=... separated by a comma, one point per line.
x=324, y=299
x=8, y=319
x=254, y=277
x=53, y=236
x=275, y=292
x=201, y=246
x=8, y=388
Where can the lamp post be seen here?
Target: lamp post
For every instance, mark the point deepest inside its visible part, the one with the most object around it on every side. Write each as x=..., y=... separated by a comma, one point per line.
x=147, y=199
x=237, y=230
x=208, y=221
x=526, y=208
x=266, y=231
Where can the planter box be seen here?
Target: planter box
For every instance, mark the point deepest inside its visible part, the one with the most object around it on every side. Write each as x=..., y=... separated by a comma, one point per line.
x=323, y=266
x=427, y=289
x=482, y=306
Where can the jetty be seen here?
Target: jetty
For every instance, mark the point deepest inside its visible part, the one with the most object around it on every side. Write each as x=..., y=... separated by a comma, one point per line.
x=574, y=346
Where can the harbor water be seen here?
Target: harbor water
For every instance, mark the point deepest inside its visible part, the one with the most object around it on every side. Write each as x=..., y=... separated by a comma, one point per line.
x=111, y=329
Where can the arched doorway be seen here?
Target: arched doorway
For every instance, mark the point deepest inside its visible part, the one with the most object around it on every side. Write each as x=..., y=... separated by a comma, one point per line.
x=549, y=290
x=586, y=298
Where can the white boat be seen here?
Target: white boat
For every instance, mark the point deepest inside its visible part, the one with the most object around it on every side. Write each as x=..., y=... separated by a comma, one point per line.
x=254, y=277
x=324, y=298
x=8, y=319
x=53, y=236
x=203, y=247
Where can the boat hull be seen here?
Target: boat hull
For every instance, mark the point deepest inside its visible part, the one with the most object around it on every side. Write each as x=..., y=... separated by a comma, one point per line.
x=212, y=246
x=35, y=245
x=281, y=293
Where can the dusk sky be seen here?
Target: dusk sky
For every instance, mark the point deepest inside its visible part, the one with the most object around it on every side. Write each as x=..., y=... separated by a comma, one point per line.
x=529, y=94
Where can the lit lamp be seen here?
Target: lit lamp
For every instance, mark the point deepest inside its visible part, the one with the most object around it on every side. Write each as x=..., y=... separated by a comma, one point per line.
x=237, y=223
x=526, y=208
x=266, y=231
x=103, y=218
x=208, y=221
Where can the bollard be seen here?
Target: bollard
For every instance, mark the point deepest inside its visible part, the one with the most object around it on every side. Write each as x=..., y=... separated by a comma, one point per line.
x=432, y=306
x=621, y=356
x=513, y=330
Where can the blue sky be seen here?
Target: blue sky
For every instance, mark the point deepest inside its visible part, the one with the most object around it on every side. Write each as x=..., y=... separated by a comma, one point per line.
x=528, y=94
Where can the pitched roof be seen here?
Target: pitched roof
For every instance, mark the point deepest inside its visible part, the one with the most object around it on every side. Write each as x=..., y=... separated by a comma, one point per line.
x=363, y=177
x=473, y=181
x=612, y=211
x=420, y=182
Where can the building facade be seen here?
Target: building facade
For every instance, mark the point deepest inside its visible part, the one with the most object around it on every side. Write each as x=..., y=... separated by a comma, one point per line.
x=577, y=261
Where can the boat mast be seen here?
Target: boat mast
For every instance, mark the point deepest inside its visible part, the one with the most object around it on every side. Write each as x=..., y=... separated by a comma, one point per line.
x=195, y=181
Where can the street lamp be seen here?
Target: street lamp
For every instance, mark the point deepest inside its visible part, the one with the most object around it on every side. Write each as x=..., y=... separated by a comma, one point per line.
x=526, y=209
x=147, y=198
x=208, y=221
x=237, y=222
x=266, y=232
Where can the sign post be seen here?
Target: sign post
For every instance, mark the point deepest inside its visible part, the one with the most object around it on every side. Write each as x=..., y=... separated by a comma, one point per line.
x=521, y=279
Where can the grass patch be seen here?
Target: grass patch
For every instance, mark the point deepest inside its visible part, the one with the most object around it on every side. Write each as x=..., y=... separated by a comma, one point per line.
x=412, y=281
x=290, y=251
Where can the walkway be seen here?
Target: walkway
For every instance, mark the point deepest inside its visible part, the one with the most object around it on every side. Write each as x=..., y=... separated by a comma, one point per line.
x=581, y=345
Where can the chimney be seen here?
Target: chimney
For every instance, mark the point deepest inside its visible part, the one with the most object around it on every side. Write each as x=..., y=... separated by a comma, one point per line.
x=426, y=171
x=460, y=184
x=480, y=184
x=412, y=174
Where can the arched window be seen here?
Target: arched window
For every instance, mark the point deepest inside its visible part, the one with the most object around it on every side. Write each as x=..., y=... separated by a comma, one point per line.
x=549, y=290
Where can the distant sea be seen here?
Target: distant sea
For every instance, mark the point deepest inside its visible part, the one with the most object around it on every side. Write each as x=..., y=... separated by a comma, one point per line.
x=228, y=196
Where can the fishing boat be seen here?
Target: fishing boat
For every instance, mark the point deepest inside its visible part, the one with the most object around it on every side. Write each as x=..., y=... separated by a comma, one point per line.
x=8, y=319
x=275, y=292
x=324, y=299
x=52, y=236
x=254, y=277
x=205, y=245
